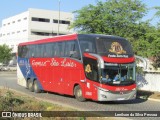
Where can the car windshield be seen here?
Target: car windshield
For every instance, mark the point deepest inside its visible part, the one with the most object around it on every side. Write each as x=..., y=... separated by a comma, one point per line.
x=118, y=74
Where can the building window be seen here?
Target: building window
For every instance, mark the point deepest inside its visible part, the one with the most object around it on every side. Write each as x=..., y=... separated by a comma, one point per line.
x=13, y=32
x=8, y=33
x=40, y=19
x=12, y=46
x=64, y=22
x=19, y=20
x=40, y=33
x=18, y=31
x=8, y=23
x=24, y=30
x=25, y=18
x=44, y=34
x=13, y=22
x=61, y=21
x=55, y=21
x=4, y=24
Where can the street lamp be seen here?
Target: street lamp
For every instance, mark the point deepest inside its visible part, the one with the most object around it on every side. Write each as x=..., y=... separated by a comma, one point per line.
x=58, y=16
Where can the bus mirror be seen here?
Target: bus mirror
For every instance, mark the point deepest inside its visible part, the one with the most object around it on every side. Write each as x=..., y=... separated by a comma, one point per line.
x=99, y=59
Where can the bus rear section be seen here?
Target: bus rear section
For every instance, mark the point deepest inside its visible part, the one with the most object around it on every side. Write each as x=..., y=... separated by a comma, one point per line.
x=52, y=64
x=87, y=66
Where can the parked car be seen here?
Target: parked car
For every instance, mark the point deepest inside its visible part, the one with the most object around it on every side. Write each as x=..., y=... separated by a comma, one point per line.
x=1, y=67
x=12, y=67
x=4, y=67
x=8, y=68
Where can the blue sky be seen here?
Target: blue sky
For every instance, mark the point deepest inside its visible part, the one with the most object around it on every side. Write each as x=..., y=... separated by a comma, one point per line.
x=12, y=7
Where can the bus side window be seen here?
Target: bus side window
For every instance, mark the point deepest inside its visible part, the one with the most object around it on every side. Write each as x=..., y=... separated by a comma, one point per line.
x=22, y=51
x=72, y=49
x=85, y=47
x=49, y=50
x=59, y=49
x=76, y=52
x=38, y=51
x=67, y=49
x=45, y=54
x=55, y=50
x=32, y=51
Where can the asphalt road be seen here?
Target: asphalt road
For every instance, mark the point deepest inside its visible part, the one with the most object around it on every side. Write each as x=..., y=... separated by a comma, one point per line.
x=9, y=80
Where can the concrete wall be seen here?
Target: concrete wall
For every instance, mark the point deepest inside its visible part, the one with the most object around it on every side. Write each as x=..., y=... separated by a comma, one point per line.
x=149, y=81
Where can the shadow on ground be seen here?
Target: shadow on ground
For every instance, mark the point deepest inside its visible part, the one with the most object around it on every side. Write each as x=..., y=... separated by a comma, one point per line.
x=145, y=94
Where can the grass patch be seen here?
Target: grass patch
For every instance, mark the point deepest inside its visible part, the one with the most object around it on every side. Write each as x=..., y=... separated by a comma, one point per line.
x=13, y=101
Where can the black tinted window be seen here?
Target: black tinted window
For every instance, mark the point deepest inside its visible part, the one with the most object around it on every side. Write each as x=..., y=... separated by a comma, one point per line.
x=72, y=49
x=59, y=49
x=113, y=46
x=23, y=51
x=87, y=44
x=50, y=48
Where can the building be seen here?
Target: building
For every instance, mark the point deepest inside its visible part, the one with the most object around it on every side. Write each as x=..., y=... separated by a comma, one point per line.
x=34, y=24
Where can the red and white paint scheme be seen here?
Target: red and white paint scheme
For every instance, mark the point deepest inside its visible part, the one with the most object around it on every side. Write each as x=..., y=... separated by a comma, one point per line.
x=87, y=66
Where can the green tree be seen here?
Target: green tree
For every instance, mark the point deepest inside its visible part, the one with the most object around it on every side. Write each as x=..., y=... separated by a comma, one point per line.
x=5, y=53
x=114, y=17
x=122, y=18
x=157, y=14
x=155, y=48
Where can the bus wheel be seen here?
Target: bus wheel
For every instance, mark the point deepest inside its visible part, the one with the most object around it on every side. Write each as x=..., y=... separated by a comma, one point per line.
x=36, y=87
x=30, y=85
x=78, y=94
x=27, y=85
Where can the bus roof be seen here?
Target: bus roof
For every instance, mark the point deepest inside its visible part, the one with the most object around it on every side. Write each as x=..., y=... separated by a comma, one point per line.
x=48, y=40
x=101, y=35
x=65, y=38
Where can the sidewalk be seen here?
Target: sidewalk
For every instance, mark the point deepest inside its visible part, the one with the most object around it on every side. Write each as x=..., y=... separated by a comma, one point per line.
x=154, y=96
x=8, y=72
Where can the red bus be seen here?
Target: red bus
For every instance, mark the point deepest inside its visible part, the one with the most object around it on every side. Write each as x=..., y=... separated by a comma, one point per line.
x=87, y=66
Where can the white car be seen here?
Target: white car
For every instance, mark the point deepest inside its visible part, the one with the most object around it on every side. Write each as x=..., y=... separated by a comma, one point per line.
x=12, y=67
x=4, y=68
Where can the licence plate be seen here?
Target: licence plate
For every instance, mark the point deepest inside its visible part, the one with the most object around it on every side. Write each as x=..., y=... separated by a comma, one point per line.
x=120, y=98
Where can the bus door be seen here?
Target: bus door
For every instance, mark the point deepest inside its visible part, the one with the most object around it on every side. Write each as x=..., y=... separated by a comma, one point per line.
x=92, y=77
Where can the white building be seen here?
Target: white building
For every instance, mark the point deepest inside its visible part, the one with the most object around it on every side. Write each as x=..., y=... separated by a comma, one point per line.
x=34, y=24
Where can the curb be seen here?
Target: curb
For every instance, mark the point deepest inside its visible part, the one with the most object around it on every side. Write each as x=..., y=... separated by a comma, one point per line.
x=152, y=99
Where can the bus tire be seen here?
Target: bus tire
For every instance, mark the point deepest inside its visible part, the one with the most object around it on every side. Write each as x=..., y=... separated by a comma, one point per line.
x=36, y=87
x=30, y=86
x=27, y=85
x=78, y=93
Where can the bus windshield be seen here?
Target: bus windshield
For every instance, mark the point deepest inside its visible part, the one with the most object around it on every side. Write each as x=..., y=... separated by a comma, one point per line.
x=118, y=74
x=106, y=46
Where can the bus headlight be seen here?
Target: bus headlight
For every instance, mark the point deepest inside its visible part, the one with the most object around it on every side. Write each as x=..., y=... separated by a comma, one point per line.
x=104, y=96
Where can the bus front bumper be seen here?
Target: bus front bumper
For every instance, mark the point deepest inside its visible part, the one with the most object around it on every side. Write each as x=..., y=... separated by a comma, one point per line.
x=104, y=95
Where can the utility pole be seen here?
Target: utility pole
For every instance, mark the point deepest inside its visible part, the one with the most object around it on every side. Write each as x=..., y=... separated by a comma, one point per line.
x=58, y=16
